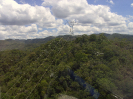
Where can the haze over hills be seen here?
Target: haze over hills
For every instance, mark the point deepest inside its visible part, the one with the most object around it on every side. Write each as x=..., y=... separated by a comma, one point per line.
x=29, y=43
x=22, y=44
x=33, y=43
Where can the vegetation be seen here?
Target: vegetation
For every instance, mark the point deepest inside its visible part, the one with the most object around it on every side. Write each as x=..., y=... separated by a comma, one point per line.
x=106, y=64
x=31, y=44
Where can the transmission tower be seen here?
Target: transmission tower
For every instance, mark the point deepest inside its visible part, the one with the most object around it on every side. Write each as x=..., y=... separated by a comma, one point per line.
x=71, y=24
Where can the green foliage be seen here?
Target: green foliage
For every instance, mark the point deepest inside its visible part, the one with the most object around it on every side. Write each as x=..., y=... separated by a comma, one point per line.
x=107, y=84
x=105, y=64
x=92, y=37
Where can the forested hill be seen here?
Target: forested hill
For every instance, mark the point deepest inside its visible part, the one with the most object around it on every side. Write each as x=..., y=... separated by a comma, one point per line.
x=106, y=64
x=9, y=44
x=119, y=36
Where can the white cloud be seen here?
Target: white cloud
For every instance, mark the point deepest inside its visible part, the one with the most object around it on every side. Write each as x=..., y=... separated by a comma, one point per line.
x=2, y=34
x=18, y=32
x=24, y=32
x=130, y=28
x=22, y=1
x=15, y=17
x=65, y=8
x=95, y=1
x=45, y=33
x=91, y=18
x=131, y=4
x=130, y=25
x=12, y=13
x=40, y=28
x=28, y=29
x=23, y=29
x=111, y=1
x=63, y=29
x=50, y=2
x=2, y=28
x=87, y=29
x=22, y=21
x=84, y=12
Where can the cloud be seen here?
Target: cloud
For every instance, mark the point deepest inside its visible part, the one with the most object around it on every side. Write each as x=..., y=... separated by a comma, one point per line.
x=23, y=29
x=63, y=29
x=2, y=36
x=111, y=1
x=65, y=8
x=85, y=13
x=22, y=1
x=95, y=1
x=12, y=13
x=130, y=28
x=2, y=28
x=131, y=4
x=45, y=33
x=130, y=25
x=23, y=21
x=18, y=32
x=24, y=32
x=50, y=2
x=80, y=28
x=40, y=28
x=91, y=18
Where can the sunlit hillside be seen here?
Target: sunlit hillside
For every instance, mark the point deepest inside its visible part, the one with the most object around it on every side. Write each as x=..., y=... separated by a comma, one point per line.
x=106, y=64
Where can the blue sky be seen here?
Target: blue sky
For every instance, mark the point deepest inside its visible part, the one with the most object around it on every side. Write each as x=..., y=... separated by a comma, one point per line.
x=121, y=7
x=28, y=19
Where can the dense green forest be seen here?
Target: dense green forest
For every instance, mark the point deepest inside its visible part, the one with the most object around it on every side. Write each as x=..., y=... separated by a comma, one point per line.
x=105, y=63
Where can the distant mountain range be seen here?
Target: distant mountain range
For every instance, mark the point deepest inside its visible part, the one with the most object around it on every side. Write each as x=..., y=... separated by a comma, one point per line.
x=23, y=44
x=9, y=44
x=119, y=36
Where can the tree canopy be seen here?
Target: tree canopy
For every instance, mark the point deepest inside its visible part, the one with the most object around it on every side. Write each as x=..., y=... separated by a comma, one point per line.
x=106, y=64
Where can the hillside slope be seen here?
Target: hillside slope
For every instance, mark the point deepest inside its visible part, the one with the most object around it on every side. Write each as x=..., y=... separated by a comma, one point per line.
x=34, y=43
x=10, y=44
x=105, y=64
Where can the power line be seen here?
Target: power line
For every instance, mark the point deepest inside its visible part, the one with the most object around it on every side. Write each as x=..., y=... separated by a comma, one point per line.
x=42, y=75
x=36, y=69
x=24, y=73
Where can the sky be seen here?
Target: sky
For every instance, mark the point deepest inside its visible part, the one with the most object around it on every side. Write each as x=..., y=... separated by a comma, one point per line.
x=30, y=19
